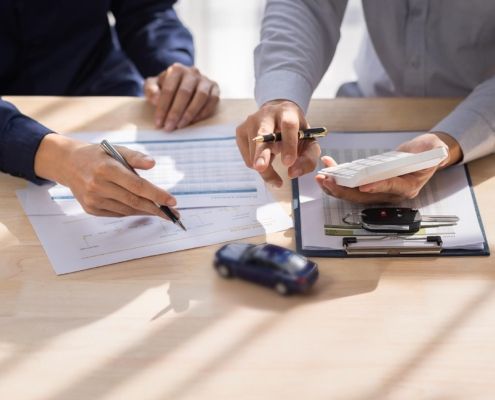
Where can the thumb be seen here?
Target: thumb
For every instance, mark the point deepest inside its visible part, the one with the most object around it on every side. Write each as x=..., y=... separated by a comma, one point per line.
x=152, y=90
x=137, y=159
x=328, y=161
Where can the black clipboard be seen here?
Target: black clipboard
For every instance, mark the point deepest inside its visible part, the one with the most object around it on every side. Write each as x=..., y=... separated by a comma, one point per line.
x=485, y=251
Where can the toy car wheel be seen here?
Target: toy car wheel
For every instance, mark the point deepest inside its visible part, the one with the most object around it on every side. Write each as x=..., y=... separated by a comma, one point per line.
x=224, y=271
x=282, y=288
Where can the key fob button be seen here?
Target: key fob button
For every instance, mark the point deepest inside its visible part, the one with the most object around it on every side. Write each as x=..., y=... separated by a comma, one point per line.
x=391, y=220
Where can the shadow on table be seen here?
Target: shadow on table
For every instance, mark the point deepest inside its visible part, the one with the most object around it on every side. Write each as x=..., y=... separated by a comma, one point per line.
x=397, y=378
x=333, y=283
x=46, y=307
x=194, y=301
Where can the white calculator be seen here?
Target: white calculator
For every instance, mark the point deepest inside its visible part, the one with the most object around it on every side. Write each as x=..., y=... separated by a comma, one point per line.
x=383, y=166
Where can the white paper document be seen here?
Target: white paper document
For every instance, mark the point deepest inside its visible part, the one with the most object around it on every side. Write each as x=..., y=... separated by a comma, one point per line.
x=447, y=193
x=74, y=240
x=201, y=167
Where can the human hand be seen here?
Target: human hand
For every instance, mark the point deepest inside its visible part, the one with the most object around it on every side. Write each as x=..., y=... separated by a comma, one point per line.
x=399, y=188
x=300, y=156
x=102, y=185
x=181, y=96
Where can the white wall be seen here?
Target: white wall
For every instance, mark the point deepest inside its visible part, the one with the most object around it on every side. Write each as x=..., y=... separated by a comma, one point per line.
x=226, y=32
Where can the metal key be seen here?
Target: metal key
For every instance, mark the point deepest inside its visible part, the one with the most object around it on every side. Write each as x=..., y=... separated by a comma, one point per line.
x=399, y=220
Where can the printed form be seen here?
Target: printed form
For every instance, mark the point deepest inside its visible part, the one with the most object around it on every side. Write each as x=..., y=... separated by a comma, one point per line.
x=201, y=167
x=219, y=198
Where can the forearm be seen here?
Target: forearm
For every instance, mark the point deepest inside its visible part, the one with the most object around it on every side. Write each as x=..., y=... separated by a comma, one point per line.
x=298, y=41
x=472, y=123
x=455, y=151
x=20, y=138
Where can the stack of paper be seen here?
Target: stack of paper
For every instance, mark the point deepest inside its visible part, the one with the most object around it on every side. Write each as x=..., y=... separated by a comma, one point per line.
x=219, y=198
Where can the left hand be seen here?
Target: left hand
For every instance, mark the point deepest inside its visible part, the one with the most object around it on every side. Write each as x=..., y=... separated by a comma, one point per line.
x=181, y=95
x=399, y=188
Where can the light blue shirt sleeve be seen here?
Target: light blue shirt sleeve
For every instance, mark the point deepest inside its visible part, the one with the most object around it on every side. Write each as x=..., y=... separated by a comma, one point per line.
x=416, y=48
x=298, y=41
x=472, y=123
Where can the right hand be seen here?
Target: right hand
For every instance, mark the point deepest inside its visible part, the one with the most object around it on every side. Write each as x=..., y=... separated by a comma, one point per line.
x=102, y=185
x=277, y=116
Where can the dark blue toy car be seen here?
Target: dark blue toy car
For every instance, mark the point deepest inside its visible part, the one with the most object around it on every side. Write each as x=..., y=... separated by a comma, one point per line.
x=267, y=264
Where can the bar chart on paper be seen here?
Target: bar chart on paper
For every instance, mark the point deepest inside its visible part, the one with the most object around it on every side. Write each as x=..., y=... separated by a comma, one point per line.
x=201, y=169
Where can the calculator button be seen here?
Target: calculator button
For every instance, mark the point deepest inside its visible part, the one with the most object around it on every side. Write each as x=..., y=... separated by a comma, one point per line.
x=357, y=167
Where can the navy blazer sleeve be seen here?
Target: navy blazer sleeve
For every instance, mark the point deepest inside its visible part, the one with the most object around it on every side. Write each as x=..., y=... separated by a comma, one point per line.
x=152, y=35
x=20, y=137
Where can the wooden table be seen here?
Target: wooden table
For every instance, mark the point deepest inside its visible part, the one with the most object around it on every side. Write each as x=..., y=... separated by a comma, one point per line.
x=167, y=327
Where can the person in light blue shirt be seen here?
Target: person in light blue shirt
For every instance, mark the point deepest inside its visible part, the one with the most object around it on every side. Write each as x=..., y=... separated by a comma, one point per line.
x=420, y=48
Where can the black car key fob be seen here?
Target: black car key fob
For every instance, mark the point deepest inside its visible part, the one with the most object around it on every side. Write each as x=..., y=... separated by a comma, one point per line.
x=391, y=220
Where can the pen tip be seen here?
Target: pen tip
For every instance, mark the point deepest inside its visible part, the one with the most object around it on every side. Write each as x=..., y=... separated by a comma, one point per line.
x=182, y=226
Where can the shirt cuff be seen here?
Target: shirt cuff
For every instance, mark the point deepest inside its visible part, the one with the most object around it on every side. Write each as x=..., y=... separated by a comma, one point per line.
x=472, y=131
x=283, y=84
x=21, y=153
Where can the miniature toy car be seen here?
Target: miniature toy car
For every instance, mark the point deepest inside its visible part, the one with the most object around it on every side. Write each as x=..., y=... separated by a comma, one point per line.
x=267, y=264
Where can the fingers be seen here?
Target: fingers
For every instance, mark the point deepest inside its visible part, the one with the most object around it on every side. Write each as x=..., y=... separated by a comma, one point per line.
x=117, y=199
x=211, y=105
x=185, y=96
x=242, y=140
x=289, y=126
x=182, y=98
x=169, y=82
x=308, y=158
x=110, y=208
x=260, y=153
x=136, y=159
x=263, y=154
x=276, y=116
x=270, y=176
x=139, y=186
x=328, y=161
x=105, y=187
x=203, y=103
x=329, y=186
x=152, y=90
x=400, y=186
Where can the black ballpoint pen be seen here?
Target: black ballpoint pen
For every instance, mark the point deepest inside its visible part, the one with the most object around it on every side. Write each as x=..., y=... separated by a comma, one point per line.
x=112, y=152
x=310, y=133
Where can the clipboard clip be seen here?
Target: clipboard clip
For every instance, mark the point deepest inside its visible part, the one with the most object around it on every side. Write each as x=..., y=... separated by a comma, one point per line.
x=353, y=246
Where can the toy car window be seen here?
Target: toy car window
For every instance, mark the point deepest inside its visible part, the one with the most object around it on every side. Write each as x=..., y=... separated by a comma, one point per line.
x=296, y=263
x=248, y=254
x=263, y=263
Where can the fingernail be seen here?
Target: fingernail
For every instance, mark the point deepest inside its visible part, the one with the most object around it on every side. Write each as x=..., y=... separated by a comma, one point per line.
x=260, y=162
x=148, y=158
x=288, y=159
x=171, y=202
x=169, y=126
x=158, y=122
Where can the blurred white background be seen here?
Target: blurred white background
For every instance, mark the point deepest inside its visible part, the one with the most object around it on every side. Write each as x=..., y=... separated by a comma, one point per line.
x=227, y=31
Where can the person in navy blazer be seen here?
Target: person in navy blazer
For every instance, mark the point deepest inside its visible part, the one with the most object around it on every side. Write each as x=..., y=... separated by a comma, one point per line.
x=69, y=48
